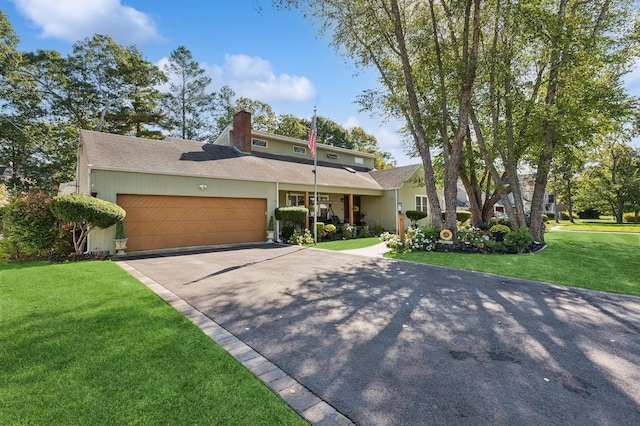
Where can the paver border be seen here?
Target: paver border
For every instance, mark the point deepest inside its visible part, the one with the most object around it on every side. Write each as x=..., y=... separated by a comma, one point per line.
x=304, y=402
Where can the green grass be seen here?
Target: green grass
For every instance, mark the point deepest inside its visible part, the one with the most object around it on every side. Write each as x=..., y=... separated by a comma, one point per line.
x=601, y=225
x=350, y=244
x=85, y=343
x=597, y=261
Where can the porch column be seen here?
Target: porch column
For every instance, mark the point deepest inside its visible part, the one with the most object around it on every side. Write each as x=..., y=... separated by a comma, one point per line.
x=306, y=204
x=351, y=209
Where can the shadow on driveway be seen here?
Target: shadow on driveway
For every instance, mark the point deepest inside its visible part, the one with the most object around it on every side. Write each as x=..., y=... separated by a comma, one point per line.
x=388, y=342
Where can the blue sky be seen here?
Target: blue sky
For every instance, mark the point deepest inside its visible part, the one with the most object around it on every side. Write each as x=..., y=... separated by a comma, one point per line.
x=262, y=53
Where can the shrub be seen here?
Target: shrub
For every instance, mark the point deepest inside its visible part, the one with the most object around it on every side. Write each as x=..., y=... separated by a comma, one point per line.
x=629, y=217
x=319, y=229
x=518, y=241
x=29, y=226
x=545, y=218
x=499, y=221
x=362, y=231
x=421, y=239
x=120, y=234
x=347, y=231
x=377, y=229
x=301, y=237
x=463, y=215
x=287, y=232
x=294, y=214
x=565, y=215
x=330, y=228
x=589, y=214
x=84, y=212
x=499, y=231
x=415, y=215
x=393, y=242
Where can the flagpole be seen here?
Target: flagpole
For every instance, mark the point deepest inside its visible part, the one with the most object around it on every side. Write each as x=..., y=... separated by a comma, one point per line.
x=315, y=186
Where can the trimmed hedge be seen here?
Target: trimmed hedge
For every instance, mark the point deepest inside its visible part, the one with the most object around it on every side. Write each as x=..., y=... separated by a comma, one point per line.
x=84, y=208
x=292, y=214
x=461, y=215
x=28, y=225
x=415, y=215
x=629, y=217
x=589, y=214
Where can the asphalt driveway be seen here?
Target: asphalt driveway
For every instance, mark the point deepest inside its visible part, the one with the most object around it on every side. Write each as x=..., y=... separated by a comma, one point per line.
x=396, y=343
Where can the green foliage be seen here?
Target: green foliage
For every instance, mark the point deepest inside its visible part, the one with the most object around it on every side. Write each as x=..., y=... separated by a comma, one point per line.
x=377, y=229
x=499, y=221
x=589, y=214
x=28, y=225
x=347, y=231
x=502, y=230
x=463, y=215
x=270, y=226
x=329, y=228
x=415, y=215
x=84, y=212
x=93, y=211
x=565, y=215
x=363, y=231
x=319, y=229
x=293, y=214
x=120, y=233
x=630, y=217
x=287, y=232
x=545, y=218
x=518, y=241
x=301, y=237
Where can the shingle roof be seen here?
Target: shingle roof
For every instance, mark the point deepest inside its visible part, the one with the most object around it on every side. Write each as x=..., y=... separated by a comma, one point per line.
x=394, y=178
x=189, y=158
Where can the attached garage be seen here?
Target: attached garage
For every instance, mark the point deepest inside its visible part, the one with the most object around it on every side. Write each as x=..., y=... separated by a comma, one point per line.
x=162, y=221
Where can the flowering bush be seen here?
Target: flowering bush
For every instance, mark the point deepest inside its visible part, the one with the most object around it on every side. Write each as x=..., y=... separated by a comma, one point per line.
x=421, y=239
x=300, y=237
x=394, y=243
x=474, y=237
x=347, y=232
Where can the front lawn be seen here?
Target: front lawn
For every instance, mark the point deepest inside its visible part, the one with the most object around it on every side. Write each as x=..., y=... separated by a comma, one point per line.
x=350, y=244
x=85, y=343
x=601, y=225
x=598, y=261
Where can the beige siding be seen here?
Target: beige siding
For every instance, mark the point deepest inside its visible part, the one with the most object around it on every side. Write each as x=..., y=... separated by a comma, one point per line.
x=110, y=183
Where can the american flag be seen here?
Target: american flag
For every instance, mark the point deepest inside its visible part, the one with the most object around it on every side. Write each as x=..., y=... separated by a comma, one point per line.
x=312, y=137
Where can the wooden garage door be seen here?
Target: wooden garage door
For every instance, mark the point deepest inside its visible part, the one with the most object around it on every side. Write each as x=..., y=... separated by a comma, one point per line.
x=157, y=222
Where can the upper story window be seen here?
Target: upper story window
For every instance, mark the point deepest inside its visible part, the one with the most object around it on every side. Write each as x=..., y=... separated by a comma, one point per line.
x=299, y=150
x=422, y=203
x=358, y=160
x=259, y=142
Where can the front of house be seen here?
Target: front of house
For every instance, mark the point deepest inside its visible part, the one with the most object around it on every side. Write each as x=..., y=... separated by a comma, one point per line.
x=180, y=193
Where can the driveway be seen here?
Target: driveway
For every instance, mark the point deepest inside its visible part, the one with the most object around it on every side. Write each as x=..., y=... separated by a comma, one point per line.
x=396, y=343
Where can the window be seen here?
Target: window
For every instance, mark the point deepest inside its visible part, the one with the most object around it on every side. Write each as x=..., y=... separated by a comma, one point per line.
x=299, y=150
x=422, y=205
x=295, y=200
x=358, y=160
x=332, y=156
x=259, y=142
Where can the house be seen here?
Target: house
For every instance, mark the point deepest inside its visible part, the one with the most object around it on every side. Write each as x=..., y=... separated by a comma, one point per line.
x=183, y=193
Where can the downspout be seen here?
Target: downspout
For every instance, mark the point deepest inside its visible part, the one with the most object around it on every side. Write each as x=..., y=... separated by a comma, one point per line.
x=395, y=211
x=89, y=190
x=277, y=206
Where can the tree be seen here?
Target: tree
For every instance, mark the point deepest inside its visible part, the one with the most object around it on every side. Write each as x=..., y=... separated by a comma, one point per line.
x=84, y=213
x=614, y=182
x=188, y=104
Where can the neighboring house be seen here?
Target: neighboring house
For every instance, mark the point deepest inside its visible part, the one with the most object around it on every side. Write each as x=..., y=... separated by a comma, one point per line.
x=181, y=193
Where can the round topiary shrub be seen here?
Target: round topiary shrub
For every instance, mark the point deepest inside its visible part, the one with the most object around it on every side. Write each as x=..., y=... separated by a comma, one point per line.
x=415, y=215
x=83, y=213
x=499, y=231
x=518, y=241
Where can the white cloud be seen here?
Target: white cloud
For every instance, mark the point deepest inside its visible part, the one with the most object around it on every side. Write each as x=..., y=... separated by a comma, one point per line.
x=253, y=77
x=74, y=20
x=351, y=122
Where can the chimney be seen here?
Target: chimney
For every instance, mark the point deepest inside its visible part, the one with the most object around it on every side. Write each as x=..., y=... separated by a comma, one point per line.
x=242, y=131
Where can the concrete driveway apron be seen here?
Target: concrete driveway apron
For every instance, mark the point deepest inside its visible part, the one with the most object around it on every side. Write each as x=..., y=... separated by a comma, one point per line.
x=395, y=343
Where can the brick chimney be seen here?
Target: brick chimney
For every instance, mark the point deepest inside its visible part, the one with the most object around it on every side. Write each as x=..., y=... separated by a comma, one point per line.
x=242, y=131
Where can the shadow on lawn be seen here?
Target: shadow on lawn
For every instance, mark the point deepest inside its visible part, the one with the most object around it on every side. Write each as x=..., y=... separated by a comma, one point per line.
x=389, y=342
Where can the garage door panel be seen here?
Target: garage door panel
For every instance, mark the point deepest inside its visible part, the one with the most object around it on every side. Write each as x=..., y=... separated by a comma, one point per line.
x=155, y=222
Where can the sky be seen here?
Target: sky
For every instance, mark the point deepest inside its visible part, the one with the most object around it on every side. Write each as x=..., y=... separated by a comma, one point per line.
x=266, y=54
